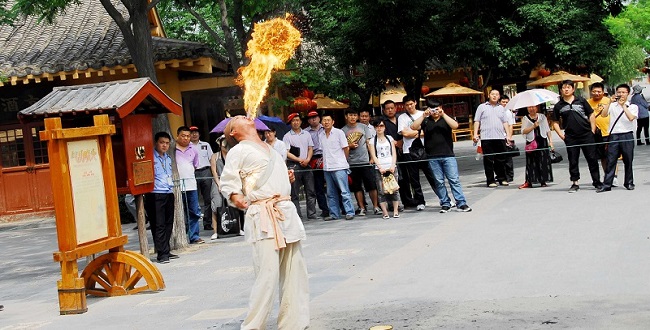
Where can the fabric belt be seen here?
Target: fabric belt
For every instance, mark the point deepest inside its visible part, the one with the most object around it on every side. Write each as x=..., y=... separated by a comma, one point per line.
x=269, y=217
x=202, y=168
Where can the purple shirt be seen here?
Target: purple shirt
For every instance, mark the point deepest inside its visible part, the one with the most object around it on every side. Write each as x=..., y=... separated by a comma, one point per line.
x=187, y=161
x=314, y=137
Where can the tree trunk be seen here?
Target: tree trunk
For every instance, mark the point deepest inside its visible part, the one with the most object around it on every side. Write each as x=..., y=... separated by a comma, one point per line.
x=235, y=61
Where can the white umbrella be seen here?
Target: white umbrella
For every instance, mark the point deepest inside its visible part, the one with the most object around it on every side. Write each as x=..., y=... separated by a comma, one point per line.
x=532, y=97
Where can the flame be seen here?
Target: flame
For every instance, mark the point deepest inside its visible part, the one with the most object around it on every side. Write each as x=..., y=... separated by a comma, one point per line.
x=272, y=44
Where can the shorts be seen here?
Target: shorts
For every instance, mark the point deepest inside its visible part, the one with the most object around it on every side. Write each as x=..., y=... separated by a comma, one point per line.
x=365, y=175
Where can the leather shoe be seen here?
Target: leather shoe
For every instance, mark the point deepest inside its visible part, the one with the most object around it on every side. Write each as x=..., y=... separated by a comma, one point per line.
x=630, y=187
x=603, y=189
x=173, y=256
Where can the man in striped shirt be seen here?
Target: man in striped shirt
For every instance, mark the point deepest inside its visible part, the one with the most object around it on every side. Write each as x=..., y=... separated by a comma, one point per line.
x=492, y=123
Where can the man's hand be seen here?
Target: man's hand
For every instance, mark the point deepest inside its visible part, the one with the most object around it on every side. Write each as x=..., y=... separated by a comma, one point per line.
x=239, y=201
x=353, y=145
x=304, y=162
x=292, y=176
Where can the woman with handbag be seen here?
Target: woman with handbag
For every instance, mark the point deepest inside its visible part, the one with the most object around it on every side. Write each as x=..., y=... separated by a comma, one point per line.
x=384, y=156
x=535, y=128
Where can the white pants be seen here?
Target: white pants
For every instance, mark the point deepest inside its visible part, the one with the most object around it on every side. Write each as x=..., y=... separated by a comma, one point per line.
x=285, y=269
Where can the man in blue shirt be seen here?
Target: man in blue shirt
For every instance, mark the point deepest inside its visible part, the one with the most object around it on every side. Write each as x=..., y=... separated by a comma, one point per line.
x=160, y=203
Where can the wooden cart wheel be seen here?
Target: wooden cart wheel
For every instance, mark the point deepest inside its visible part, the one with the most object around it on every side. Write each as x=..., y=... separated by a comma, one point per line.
x=121, y=273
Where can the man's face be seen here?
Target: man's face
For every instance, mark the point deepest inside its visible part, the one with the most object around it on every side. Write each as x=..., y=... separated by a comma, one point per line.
x=351, y=118
x=389, y=110
x=504, y=102
x=194, y=136
x=494, y=96
x=567, y=90
x=364, y=117
x=328, y=122
x=410, y=106
x=295, y=123
x=597, y=93
x=269, y=136
x=313, y=121
x=162, y=145
x=183, y=138
x=622, y=93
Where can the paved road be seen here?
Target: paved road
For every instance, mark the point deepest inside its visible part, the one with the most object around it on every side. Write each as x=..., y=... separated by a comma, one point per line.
x=534, y=259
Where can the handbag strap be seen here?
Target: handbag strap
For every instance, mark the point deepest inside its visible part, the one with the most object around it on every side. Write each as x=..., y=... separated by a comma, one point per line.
x=408, y=114
x=616, y=121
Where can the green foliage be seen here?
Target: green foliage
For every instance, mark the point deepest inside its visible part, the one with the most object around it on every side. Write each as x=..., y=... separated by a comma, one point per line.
x=624, y=65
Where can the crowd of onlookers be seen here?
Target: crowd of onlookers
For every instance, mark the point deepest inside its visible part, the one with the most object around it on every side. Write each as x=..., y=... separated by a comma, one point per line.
x=383, y=157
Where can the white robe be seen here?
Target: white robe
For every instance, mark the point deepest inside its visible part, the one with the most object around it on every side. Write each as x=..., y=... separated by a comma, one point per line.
x=245, y=164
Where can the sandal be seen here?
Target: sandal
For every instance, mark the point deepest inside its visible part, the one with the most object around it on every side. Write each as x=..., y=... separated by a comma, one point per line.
x=396, y=215
x=386, y=216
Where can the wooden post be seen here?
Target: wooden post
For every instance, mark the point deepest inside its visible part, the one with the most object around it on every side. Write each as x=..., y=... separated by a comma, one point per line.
x=142, y=229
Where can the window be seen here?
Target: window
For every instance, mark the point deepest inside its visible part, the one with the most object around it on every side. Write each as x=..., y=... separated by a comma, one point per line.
x=12, y=148
x=40, y=147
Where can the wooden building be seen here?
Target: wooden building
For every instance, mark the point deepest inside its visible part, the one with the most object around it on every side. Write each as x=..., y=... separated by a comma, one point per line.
x=85, y=46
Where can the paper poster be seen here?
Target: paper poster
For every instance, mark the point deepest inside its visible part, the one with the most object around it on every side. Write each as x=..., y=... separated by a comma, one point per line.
x=88, y=194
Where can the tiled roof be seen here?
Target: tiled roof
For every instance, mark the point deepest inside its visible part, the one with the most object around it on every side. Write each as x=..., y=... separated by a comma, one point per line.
x=98, y=97
x=85, y=36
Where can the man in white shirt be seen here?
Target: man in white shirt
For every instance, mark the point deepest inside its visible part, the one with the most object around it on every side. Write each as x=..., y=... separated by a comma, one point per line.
x=490, y=127
x=336, y=168
x=203, y=174
x=622, y=123
x=413, y=165
x=315, y=129
x=256, y=179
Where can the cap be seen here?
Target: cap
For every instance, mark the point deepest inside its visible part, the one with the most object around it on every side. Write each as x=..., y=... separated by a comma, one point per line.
x=312, y=114
x=292, y=116
x=193, y=128
x=637, y=89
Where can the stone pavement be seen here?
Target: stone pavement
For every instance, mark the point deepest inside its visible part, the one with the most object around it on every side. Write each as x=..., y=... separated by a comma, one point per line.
x=536, y=258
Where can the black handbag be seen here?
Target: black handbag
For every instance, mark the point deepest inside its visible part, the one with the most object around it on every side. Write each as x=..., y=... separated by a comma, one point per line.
x=555, y=157
x=513, y=150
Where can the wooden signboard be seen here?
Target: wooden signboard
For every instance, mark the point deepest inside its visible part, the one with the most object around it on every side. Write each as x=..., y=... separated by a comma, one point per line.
x=87, y=217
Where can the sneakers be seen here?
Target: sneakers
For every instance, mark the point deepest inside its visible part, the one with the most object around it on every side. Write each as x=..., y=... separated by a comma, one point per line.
x=377, y=210
x=396, y=215
x=525, y=185
x=445, y=209
x=492, y=185
x=241, y=233
x=163, y=261
x=505, y=183
x=464, y=208
x=420, y=207
x=362, y=212
x=173, y=256
x=330, y=218
x=198, y=241
x=350, y=217
x=615, y=182
x=214, y=236
x=574, y=188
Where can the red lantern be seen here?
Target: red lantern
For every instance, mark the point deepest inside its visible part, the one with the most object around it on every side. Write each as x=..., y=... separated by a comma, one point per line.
x=346, y=101
x=424, y=90
x=544, y=72
x=307, y=93
x=645, y=70
x=464, y=81
x=301, y=104
x=314, y=105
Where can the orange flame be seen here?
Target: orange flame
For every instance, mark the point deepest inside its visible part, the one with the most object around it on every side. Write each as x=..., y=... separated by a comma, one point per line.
x=272, y=44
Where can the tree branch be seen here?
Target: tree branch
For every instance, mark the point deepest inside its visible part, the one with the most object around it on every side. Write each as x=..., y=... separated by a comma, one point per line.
x=116, y=16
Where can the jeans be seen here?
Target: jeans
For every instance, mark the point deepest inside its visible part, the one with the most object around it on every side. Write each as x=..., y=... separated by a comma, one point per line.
x=192, y=214
x=337, y=185
x=447, y=167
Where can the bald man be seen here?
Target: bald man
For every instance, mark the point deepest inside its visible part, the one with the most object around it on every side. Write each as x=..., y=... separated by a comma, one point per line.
x=255, y=179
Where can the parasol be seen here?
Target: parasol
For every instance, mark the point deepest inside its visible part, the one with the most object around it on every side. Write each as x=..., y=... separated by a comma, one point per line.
x=557, y=78
x=393, y=93
x=453, y=89
x=274, y=122
x=221, y=126
x=324, y=102
x=532, y=97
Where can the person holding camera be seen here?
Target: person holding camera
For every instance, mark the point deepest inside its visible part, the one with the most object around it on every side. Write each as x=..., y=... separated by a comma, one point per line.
x=439, y=146
x=622, y=123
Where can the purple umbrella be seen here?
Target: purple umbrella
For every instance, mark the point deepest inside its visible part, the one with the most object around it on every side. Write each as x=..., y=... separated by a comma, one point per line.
x=221, y=126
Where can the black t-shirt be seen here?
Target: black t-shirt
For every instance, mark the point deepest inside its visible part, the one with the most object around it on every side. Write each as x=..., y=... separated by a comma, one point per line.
x=574, y=117
x=391, y=128
x=437, y=138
